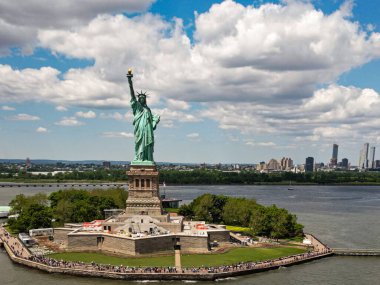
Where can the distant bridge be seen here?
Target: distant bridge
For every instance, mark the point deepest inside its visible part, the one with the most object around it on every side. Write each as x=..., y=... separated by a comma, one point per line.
x=113, y=184
x=356, y=252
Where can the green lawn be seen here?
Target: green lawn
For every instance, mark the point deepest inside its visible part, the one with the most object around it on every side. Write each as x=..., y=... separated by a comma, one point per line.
x=232, y=256
x=238, y=229
x=171, y=210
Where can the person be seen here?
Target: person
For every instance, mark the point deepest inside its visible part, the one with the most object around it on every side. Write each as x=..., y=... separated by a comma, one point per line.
x=144, y=124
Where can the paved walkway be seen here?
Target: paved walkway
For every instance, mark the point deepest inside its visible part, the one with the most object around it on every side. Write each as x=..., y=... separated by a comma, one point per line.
x=317, y=245
x=15, y=244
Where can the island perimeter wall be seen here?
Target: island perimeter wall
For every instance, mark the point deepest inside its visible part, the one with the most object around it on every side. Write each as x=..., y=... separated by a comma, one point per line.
x=203, y=274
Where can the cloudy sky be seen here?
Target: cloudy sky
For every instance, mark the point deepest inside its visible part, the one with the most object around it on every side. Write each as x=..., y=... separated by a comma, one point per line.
x=233, y=81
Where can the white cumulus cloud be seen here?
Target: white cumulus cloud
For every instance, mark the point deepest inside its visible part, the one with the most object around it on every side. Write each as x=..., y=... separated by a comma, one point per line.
x=20, y=21
x=177, y=104
x=128, y=116
x=69, y=122
x=86, y=115
x=117, y=135
x=193, y=135
x=263, y=144
x=41, y=130
x=24, y=117
x=61, y=108
x=270, y=54
x=7, y=108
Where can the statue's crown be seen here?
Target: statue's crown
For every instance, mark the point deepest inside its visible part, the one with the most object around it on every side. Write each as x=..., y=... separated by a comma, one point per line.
x=142, y=94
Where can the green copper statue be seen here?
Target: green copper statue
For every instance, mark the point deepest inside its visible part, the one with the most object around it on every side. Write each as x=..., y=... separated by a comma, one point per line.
x=144, y=123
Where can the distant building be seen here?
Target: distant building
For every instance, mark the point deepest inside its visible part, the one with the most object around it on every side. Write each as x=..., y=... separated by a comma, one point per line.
x=107, y=164
x=28, y=162
x=345, y=163
x=286, y=163
x=334, y=158
x=273, y=164
x=60, y=164
x=371, y=157
x=363, y=159
x=170, y=202
x=260, y=166
x=318, y=166
x=377, y=164
x=309, y=164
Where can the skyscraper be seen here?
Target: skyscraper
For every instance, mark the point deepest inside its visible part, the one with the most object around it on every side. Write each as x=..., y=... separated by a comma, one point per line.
x=345, y=163
x=286, y=163
x=363, y=159
x=309, y=164
x=334, y=158
x=371, y=157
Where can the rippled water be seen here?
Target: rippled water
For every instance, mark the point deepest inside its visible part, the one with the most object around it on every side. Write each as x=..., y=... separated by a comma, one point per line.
x=341, y=216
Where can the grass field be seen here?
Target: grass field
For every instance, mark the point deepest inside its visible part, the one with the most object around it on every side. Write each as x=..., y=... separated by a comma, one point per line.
x=238, y=229
x=232, y=256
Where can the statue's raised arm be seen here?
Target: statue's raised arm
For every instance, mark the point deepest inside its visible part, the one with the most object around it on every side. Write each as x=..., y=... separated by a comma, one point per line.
x=132, y=91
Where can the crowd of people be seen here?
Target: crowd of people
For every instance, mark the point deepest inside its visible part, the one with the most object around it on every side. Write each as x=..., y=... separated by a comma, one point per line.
x=282, y=261
x=19, y=251
x=14, y=244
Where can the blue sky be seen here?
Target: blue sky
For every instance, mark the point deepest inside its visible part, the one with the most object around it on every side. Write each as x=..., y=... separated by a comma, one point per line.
x=233, y=81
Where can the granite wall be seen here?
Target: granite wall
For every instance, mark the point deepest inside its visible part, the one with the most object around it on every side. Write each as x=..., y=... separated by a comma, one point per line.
x=60, y=235
x=219, y=236
x=83, y=242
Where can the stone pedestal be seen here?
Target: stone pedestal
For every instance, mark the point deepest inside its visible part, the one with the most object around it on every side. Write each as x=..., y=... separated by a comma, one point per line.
x=143, y=193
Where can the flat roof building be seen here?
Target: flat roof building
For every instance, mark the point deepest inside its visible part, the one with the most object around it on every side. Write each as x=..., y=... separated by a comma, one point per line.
x=309, y=164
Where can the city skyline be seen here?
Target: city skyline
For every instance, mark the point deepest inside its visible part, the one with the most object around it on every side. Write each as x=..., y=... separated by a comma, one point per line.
x=268, y=81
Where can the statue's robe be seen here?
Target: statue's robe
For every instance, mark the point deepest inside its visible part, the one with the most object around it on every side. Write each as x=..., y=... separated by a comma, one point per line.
x=144, y=123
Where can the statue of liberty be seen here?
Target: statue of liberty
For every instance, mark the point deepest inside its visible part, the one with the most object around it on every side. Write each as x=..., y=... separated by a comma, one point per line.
x=144, y=124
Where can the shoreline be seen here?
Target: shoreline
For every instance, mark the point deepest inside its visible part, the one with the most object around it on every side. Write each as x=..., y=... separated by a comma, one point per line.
x=19, y=254
x=4, y=184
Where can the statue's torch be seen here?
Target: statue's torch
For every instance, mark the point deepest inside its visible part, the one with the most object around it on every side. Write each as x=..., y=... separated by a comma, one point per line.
x=129, y=74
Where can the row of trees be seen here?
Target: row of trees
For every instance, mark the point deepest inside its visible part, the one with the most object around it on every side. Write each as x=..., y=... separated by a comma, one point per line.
x=264, y=221
x=97, y=175
x=40, y=210
x=206, y=176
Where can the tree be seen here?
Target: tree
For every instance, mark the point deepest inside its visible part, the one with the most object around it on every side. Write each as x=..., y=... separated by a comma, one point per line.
x=238, y=211
x=21, y=202
x=260, y=221
x=208, y=207
x=34, y=216
x=83, y=206
x=203, y=206
x=280, y=220
x=186, y=211
x=63, y=211
x=267, y=221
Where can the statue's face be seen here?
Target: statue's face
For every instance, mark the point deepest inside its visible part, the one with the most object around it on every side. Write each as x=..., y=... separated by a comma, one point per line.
x=142, y=100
